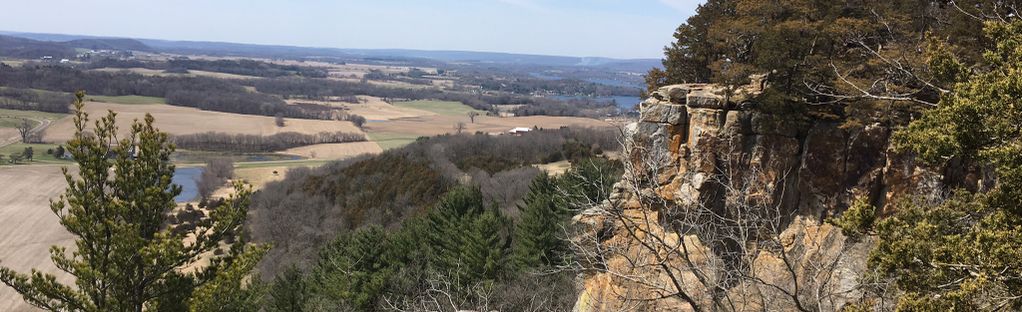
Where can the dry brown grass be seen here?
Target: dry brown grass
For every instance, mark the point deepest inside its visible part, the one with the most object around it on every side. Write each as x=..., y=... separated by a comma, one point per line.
x=554, y=168
x=258, y=177
x=335, y=151
x=193, y=73
x=27, y=226
x=178, y=120
x=372, y=108
x=438, y=124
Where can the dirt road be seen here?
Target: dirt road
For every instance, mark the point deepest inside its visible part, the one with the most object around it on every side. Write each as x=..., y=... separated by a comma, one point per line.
x=27, y=226
x=42, y=124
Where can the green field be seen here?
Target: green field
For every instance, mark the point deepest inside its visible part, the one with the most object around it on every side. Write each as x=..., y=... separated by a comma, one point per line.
x=440, y=107
x=13, y=117
x=14, y=122
x=391, y=140
x=39, y=153
x=126, y=99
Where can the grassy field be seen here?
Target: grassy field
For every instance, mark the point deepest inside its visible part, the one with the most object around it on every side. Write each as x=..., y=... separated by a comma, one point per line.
x=391, y=140
x=127, y=99
x=14, y=122
x=445, y=108
x=18, y=114
x=178, y=120
x=39, y=156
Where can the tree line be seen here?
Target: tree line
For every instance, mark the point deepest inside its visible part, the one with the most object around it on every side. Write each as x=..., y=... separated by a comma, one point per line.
x=252, y=143
x=321, y=89
x=205, y=93
x=21, y=99
x=244, y=67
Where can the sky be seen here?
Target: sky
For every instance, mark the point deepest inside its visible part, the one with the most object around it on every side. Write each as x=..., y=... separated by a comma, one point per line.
x=606, y=28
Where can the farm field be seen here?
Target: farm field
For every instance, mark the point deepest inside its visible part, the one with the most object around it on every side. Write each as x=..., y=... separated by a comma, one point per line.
x=411, y=128
x=178, y=120
x=446, y=108
x=126, y=99
x=30, y=228
x=389, y=140
x=10, y=119
x=17, y=114
x=372, y=108
x=39, y=153
x=335, y=151
x=158, y=72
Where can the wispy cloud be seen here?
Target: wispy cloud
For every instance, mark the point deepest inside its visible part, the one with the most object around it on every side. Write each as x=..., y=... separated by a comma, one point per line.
x=684, y=6
x=524, y=4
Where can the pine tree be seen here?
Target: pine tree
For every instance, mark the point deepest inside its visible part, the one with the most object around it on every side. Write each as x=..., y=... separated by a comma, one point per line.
x=466, y=238
x=484, y=251
x=353, y=271
x=537, y=239
x=288, y=293
x=125, y=259
x=229, y=290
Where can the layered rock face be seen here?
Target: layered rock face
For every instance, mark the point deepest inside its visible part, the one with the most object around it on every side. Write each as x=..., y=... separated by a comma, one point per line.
x=723, y=207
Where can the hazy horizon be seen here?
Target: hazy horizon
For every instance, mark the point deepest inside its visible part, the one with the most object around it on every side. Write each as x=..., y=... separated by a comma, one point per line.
x=595, y=28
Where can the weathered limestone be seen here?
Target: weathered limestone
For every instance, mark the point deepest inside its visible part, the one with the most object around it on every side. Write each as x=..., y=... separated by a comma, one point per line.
x=811, y=169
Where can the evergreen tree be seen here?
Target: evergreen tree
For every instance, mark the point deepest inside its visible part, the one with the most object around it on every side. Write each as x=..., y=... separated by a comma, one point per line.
x=125, y=259
x=466, y=238
x=28, y=153
x=964, y=254
x=537, y=239
x=485, y=245
x=352, y=271
x=288, y=293
x=229, y=290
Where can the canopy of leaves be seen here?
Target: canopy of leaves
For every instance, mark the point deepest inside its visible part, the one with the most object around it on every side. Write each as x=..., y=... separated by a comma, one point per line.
x=965, y=254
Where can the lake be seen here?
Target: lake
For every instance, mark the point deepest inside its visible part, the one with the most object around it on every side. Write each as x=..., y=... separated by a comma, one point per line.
x=188, y=179
x=626, y=103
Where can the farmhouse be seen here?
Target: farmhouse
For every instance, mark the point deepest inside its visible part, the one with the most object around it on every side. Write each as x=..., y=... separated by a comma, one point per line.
x=519, y=130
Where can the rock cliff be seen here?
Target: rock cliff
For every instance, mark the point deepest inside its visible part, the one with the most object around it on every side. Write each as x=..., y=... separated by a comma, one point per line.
x=723, y=207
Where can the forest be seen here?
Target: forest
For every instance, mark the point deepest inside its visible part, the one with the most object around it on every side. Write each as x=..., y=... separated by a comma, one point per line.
x=22, y=99
x=244, y=67
x=306, y=209
x=423, y=230
x=250, y=143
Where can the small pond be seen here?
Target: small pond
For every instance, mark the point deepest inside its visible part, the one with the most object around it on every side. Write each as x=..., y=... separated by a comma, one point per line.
x=188, y=179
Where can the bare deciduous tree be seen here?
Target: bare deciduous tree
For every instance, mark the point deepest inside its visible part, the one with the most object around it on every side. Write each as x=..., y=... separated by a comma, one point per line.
x=25, y=130
x=278, y=119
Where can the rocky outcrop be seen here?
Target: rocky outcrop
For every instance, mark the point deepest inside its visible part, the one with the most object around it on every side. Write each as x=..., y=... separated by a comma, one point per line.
x=702, y=148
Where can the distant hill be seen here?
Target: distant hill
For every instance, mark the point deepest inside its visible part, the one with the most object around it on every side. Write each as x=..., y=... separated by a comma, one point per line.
x=23, y=47
x=28, y=48
x=110, y=44
x=279, y=51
